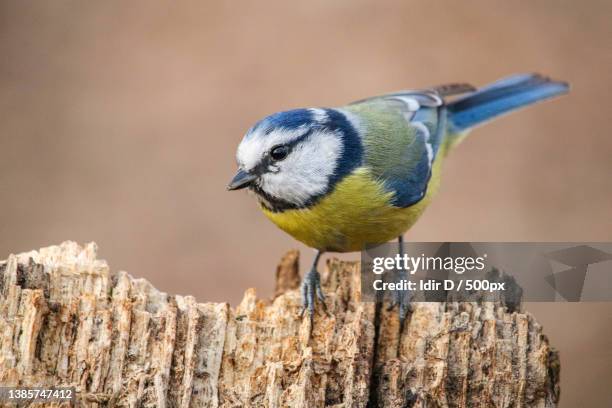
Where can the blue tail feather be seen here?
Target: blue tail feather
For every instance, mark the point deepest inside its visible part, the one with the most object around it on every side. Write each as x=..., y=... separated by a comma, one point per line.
x=501, y=97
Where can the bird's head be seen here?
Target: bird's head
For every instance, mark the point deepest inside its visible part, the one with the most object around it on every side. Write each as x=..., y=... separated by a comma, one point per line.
x=291, y=159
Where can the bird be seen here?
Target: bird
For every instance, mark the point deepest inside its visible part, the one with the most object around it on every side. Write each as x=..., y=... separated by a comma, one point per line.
x=340, y=179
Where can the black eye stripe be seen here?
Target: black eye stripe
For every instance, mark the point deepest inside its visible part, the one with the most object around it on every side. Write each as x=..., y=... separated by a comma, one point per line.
x=292, y=144
x=263, y=166
x=298, y=140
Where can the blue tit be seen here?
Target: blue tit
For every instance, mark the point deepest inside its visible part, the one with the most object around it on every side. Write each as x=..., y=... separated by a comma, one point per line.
x=338, y=179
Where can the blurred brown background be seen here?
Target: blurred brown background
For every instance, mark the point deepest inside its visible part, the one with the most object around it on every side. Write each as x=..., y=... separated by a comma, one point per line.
x=119, y=121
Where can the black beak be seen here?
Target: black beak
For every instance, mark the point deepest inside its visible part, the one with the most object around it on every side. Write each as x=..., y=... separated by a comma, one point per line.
x=242, y=179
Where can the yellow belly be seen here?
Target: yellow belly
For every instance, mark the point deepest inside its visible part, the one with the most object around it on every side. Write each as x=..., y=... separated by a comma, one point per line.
x=357, y=213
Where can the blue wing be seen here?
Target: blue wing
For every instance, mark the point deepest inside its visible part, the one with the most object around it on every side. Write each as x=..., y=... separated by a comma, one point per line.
x=404, y=133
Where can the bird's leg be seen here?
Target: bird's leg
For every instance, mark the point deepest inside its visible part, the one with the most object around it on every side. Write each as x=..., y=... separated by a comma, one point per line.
x=311, y=288
x=401, y=297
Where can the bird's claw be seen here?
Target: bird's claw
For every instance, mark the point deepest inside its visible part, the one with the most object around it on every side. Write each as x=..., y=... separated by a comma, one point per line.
x=401, y=298
x=311, y=290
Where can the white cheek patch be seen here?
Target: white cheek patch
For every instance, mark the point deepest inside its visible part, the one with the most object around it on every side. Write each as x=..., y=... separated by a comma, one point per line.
x=305, y=173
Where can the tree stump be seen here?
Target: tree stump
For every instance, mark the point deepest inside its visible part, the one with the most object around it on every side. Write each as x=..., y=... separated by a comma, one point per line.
x=67, y=320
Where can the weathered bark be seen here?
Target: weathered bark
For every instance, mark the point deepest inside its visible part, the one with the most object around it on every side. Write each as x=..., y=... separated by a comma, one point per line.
x=65, y=319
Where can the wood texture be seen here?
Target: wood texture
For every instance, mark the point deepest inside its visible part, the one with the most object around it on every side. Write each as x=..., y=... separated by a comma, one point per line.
x=66, y=319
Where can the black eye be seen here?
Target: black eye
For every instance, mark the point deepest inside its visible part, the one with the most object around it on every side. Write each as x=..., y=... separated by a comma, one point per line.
x=279, y=153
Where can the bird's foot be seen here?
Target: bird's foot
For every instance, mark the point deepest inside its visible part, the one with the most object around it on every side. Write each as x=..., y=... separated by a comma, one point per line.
x=401, y=298
x=311, y=290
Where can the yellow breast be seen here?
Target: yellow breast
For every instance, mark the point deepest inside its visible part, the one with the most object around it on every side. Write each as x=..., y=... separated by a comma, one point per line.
x=358, y=212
